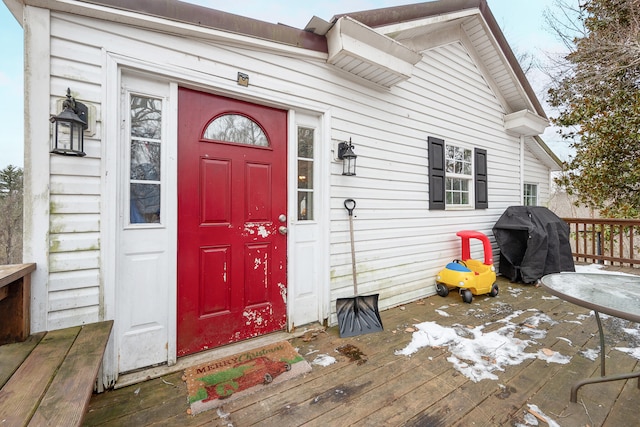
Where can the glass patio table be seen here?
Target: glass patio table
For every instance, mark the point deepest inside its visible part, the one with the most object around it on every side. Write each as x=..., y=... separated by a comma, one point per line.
x=613, y=294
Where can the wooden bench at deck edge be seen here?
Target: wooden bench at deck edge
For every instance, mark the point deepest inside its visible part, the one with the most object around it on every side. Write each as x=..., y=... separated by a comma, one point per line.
x=15, y=291
x=53, y=385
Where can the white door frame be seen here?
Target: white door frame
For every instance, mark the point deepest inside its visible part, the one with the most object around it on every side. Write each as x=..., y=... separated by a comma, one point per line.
x=114, y=63
x=308, y=272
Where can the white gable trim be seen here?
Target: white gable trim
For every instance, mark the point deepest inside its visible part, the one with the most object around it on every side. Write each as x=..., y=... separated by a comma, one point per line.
x=425, y=34
x=446, y=18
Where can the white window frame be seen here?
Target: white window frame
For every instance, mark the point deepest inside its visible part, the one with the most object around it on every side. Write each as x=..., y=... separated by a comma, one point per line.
x=311, y=192
x=526, y=197
x=469, y=178
x=163, y=162
x=126, y=190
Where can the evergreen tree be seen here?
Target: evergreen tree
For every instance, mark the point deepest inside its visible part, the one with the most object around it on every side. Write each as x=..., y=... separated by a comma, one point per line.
x=598, y=101
x=11, y=215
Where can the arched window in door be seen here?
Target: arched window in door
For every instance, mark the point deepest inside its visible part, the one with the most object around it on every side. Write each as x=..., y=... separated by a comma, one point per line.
x=237, y=129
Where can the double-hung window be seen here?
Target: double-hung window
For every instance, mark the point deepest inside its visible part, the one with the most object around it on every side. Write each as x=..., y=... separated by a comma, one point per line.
x=530, y=195
x=457, y=176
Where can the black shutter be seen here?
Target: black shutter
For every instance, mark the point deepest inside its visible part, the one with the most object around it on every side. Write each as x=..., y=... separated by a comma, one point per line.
x=482, y=194
x=436, y=174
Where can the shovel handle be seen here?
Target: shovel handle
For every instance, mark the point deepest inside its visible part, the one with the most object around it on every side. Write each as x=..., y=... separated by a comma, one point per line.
x=350, y=205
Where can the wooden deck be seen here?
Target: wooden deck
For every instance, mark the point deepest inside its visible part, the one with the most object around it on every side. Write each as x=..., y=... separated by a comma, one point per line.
x=423, y=389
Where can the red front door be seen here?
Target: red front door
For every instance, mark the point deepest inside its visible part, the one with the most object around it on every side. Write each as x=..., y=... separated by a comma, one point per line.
x=232, y=181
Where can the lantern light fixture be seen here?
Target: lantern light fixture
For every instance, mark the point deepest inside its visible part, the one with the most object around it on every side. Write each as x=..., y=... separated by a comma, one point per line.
x=68, y=128
x=348, y=157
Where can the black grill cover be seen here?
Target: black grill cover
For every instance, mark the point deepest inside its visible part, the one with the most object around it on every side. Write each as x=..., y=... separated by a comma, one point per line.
x=533, y=242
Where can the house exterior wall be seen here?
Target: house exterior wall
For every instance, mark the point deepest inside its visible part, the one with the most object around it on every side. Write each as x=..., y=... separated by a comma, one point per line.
x=74, y=291
x=400, y=244
x=536, y=173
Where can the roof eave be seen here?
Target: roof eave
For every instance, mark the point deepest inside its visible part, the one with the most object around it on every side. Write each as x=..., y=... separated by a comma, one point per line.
x=393, y=15
x=16, y=8
x=555, y=164
x=214, y=19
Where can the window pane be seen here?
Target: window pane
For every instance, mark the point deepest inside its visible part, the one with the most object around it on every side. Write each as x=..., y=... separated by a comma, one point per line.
x=457, y=191
x=305, y=205
x=146, y=117
x=145, y=203
x=467, y=156
x=450, y=151
x=145, y=154
x=145, y=160
x=305, y=174
x=305, y=143
x=236, y=128
x=458, y=160
x=451, y=166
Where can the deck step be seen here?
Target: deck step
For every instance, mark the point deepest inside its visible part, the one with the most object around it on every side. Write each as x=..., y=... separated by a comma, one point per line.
x=54, y=383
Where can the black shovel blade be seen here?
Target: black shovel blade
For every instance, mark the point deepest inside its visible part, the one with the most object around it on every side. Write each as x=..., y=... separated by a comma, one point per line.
x=358, y=315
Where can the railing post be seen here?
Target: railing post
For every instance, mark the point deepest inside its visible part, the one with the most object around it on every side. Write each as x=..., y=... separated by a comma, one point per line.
x=599, y=247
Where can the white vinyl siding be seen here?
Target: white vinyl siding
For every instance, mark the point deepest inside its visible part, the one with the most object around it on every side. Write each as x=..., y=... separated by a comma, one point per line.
x=74, y=295
x=536, y=173
x=400, y=245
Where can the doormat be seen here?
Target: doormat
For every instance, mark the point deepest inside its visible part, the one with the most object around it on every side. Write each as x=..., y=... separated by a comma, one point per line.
x=220, y=381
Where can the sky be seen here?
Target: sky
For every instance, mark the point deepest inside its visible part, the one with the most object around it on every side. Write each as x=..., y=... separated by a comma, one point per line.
x=521, y=21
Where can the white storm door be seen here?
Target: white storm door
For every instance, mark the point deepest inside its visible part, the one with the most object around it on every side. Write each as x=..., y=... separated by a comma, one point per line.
x=144, y=276
x=308, y=278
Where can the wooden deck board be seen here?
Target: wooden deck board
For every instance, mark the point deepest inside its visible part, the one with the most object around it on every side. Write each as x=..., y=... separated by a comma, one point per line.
x=625, y=407
x=423, y=389
x=70, y=390
x=349, y=399
x=524, y=382
x=33, y=377
x=12, y=355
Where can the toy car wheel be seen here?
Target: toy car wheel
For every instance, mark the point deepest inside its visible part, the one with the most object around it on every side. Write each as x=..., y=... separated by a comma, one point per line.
x=442, y=290
x=287, y=367
x=467, y=296
x=494, y=290
x=267, y=378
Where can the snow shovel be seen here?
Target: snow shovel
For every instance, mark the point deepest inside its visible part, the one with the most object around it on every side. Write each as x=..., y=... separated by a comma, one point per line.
x=358, y=315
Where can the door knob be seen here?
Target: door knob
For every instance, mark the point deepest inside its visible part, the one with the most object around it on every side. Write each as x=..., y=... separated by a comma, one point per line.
x=283, y=230
x=282, y=218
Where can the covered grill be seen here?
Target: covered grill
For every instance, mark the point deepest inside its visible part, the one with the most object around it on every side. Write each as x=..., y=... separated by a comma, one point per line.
x=533, y=241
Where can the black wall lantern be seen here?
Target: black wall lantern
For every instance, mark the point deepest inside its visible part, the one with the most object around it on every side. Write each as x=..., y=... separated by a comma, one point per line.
x=68, y=128
x=348, y=157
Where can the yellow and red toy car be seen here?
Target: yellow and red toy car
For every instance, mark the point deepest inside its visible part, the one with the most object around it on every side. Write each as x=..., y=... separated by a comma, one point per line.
x=470, y=276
